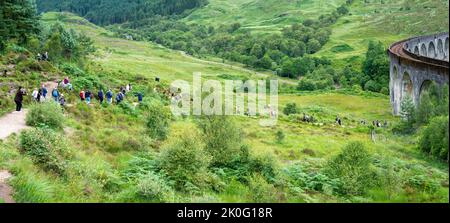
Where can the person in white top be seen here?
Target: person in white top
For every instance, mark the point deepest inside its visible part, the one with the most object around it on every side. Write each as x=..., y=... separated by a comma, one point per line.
x=35, y=94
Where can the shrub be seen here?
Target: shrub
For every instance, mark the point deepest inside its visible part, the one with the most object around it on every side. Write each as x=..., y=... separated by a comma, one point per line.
x=408, y=111
x=152, y=187
x=184, y=162
x=265, y=165
x=306, y=84
x=434, y=138
x=222, y=138
x=45, y=115
x=298, y=178
x=280, y=136
x=158, y=120
x=46, y=148
x=291, y=108
x=88, y=83
x=261, y=191
x=423, y=183
x=73, y=70
x=244, y=165
x=139, y=166
x=353, y=168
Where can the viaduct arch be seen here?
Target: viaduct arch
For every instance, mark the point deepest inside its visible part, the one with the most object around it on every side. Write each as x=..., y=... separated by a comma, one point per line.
x=415, y=64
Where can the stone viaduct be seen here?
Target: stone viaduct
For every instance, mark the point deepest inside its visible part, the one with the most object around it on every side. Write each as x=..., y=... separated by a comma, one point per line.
x=415, y=64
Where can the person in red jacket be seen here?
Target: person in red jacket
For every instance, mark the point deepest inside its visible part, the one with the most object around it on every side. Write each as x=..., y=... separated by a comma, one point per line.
x=82, y=95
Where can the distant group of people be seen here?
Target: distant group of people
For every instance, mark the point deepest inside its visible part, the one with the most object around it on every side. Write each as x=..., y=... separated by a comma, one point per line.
x=42, y=57
x=376, y=123
x=40, y=94
x=308, y=118
x=379, y=125
x=109, y=95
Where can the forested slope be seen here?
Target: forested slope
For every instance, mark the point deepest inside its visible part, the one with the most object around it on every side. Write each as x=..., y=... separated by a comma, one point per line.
x=118, y=11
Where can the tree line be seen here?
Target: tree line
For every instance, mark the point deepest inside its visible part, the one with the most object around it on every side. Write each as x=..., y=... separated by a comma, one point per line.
x=105, y=12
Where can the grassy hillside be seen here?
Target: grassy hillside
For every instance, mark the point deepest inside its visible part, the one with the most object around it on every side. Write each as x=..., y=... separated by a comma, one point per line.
x=146, y=58
x=261, y=15
x=350, y=35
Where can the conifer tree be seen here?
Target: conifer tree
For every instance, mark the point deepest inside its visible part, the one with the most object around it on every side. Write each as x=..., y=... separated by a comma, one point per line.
x=18, y=20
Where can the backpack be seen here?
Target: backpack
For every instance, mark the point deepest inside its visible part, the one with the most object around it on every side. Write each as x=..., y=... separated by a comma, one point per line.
x=55, y=93
x=82, y=94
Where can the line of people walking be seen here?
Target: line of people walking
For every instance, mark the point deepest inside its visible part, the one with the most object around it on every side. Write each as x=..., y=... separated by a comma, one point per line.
x=41, y=94
x=87, y=95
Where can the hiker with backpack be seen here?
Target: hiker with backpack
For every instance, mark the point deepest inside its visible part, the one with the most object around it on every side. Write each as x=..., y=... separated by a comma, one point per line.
x=109, y=96
x=55, y=94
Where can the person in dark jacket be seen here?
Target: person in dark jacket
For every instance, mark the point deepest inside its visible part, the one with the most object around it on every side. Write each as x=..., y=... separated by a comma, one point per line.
x=100, y=96
x=39, y=96
x=119, y=97
x=140, y=97
x=88, y=96
x=18, y=99
x=109, y=96
x=44, y=92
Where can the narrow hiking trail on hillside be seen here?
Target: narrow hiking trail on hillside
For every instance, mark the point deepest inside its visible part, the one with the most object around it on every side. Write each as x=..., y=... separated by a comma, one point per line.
x=6, y=191
x=13, y=123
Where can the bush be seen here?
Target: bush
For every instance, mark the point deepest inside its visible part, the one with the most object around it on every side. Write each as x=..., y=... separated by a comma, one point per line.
x=45, y=115
x=152, y=187
x=244, y=165
x=88, y=83
x=291, y=108
x=184, y=162
x=46, y=148
x=280, y=136
x=298, y=178
x=158, y=120
x=306, y=84
x=73, y=70
x=353, y=168
x=222, y=138
x=261, y=191
x=434, y=138
x=423, y=183
x=138, y=166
